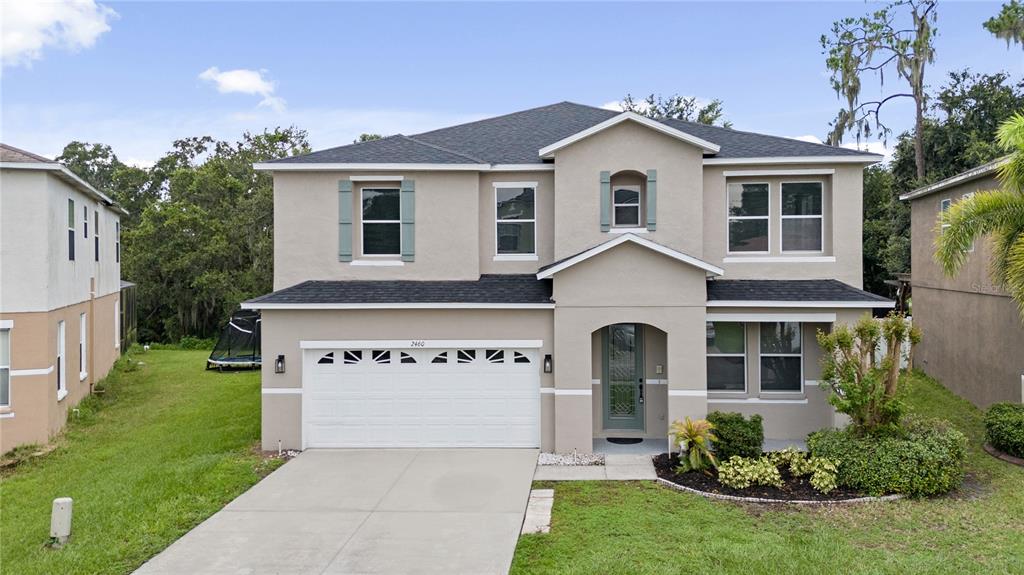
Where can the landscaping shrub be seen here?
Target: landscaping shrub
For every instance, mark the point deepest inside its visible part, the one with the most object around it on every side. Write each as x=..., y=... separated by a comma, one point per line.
x=821, y=469
x=742, y=472
x=189, y=342
x=1004, y=428
x=694, y=439
x=737, y=435
x=924, y=457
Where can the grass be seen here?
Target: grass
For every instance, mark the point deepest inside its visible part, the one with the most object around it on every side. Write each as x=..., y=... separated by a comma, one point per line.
x=640, y=527
x=166, y=446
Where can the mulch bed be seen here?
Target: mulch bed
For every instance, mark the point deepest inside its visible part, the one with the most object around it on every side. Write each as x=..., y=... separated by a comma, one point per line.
x=1004, y=456
x=793, y=488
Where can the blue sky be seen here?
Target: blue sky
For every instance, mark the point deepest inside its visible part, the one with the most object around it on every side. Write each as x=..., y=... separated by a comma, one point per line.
x=137, y=75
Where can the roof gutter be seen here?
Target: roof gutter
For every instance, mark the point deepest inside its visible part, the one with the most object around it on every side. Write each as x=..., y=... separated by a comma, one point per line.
x=961, y=178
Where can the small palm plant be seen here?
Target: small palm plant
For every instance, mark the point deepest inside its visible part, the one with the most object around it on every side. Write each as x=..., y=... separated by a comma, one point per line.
x=694, y=439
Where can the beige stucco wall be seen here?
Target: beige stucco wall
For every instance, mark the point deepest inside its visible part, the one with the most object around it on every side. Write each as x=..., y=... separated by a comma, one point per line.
x=284, y=329
x=306, y=228
x=972, y=335
x=841, y=207
x=544, y=207
x=35, y=415
x=628, y=146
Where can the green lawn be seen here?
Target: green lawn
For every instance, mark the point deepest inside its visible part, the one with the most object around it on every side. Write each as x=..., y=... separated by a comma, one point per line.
x=636, y=527
x=165, y=447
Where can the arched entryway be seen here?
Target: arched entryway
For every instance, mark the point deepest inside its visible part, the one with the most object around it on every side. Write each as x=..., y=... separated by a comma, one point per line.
x=629, y=369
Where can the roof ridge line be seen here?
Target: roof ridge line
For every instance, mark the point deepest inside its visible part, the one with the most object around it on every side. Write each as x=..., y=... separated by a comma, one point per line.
x=444, y=149
x=489, y=118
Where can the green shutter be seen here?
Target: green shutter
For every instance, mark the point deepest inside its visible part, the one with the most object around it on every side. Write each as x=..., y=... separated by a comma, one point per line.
x=606, y=201
x=344, y=220
x=652, y=199
x=408, y=220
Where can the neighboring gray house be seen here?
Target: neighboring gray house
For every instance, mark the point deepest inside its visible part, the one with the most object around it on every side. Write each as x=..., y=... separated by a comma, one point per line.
x=973, y=336
x=553, y=277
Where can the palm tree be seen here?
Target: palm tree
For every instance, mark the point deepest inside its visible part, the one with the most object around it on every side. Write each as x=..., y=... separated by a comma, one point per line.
x=997, y=213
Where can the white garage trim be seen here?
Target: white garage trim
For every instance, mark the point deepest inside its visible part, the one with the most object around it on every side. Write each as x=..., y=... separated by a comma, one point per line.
x=282, y=391
x=420, y=343
x=767, y=317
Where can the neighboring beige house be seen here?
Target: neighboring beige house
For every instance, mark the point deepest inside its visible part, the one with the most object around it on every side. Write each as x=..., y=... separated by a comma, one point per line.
x=60, y=278
x=553, y=277
x=973, y=336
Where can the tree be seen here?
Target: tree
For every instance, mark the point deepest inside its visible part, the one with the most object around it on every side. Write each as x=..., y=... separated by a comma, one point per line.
x=997, y=213
x=872, y=45
x=859, y=384
x=1009, y=24
x=677, y=107
x=364, y=137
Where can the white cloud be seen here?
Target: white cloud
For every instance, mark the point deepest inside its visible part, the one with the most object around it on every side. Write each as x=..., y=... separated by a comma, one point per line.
x=244, y=81
x=876, y=147
x=27, y=27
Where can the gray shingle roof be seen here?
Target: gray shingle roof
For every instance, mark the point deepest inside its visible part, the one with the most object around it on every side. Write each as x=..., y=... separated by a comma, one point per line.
x=516, y=138
x=506, y=289
x=11, y=154
x=789, y=290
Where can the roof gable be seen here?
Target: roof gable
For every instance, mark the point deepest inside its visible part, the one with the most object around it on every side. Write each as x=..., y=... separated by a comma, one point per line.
x=550, y=270
x=708, y=147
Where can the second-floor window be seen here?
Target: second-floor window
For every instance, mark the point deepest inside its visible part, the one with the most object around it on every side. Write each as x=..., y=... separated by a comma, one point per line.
x=382, y=224
x=515, y=219
x=71, y=229
x=626, y=206
x=85, y=222
x=96, y=233
x=802, y=220
x=748, y=218
x=117, y=241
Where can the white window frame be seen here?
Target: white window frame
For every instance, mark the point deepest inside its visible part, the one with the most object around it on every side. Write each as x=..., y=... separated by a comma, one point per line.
x=96, y=235
x=71, y=229
x=363, y=222
x=117, y=241
x=532, y=256
x=760, y=354
x=944, y=205
x=7, y=367
x=85, y=221
x=821, y=216
x=83, y=344
x=638, y=204
x=729, y=218
x=746, y=383
x=966, y=196
x=62, y=368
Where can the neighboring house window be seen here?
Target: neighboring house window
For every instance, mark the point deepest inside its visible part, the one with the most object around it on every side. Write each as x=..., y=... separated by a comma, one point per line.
x=71, y=229
x=726, y=351
x=781, y=357
x=61, y=367
x=515, y=220
x=969, y=195
x=83, y=367
x=117, y=241
x=802, y=220
x=944, y=207
x=85, y=222
x=626, y=206
x=5, y=367
x=96, y=233
x=382, y=224
x=748, y=218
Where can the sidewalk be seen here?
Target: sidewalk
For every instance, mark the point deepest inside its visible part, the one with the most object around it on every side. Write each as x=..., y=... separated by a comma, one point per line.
x=617, y=467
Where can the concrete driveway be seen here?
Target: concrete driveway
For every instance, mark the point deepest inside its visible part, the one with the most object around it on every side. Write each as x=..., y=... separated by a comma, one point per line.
x=367, y=511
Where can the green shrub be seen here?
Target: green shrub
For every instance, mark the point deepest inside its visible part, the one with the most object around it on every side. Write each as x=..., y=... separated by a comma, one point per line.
x=189, y=342
x=924, y=457
x=694, y=439
x=742, y=472
x=1004, y=428
x=821, y=469
x=737, y=435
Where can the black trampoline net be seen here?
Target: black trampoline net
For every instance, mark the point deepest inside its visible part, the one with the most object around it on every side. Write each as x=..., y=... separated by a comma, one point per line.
x=239, y=343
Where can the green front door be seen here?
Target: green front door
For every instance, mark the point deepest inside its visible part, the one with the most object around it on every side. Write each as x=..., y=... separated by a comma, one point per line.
x=623, y=376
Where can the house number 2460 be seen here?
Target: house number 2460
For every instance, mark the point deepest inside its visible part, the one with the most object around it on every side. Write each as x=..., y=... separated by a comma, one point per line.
x=418, y=343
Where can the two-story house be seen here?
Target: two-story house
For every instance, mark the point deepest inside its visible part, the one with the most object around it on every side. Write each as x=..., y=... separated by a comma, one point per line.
x=553, y=277
x=973, y=333
x=60, y=283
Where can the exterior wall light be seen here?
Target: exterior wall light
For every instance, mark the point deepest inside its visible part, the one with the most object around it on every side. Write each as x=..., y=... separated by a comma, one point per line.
x=279, y=364
x=547, y=363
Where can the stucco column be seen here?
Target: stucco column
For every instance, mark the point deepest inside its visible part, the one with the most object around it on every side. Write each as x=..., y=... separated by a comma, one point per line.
x=573, y=416
x=687, y=365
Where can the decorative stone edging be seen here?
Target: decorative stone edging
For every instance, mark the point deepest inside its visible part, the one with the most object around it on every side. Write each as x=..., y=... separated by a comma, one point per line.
x=710, y=495
x=1002, y=456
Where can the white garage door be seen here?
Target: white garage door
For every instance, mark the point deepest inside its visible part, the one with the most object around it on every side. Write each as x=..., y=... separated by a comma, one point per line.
x=440, y=397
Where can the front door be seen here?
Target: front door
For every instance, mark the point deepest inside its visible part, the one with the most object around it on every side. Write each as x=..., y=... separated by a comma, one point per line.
x=623, y=376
